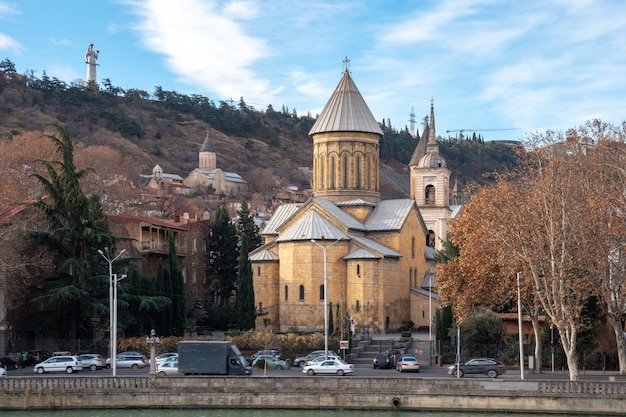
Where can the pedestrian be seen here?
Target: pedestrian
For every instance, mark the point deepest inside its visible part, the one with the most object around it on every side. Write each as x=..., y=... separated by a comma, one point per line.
x=23, y=359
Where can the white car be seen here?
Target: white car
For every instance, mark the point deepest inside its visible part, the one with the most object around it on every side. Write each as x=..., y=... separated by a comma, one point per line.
x=331, y=366
x=321, y=359
x=69, y=364
x=3, y=371
x=169, y=367
x=165, y=357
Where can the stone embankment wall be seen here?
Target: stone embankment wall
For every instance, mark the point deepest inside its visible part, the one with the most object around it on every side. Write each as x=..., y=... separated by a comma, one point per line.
x=317, y=392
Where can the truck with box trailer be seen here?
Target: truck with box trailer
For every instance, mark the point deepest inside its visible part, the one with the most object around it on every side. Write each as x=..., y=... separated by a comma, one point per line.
x=200, y=357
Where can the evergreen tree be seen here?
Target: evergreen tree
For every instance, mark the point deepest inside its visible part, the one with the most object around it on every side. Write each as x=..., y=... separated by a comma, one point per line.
x=164, y=287
x=245, y=294
x=246, y=226
x=77, y=227
x=222, y=257
x=179, y=304
x=140, y=305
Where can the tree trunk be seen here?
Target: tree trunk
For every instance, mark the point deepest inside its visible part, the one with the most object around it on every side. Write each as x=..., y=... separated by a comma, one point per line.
x=537, y=332
x=568, y=340
x=620, y=339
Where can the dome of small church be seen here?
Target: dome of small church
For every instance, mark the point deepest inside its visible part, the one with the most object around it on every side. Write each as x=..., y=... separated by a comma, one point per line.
x=432, y=160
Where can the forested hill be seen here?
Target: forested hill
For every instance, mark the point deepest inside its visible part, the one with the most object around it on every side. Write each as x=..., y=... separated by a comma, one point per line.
x=168, y=128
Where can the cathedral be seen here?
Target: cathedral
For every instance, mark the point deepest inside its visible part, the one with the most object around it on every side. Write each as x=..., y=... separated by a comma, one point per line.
x=369, y=259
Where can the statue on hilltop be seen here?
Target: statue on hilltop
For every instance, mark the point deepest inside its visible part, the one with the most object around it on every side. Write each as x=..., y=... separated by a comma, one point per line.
x=90, y=59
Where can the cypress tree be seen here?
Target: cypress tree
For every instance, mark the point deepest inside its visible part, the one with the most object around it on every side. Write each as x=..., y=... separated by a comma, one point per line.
x=222, y=257
x=246, y=226
x=178, y=297
x=245, y=295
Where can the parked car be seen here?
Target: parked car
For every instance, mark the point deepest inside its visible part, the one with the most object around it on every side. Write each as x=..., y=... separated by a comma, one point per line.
x=8, y=363
x=333, y=366
x=93, y=361
x=166, y=357
x=169, y=367
x=408, y=364
x=271, y=362
x=270, y=352
x=133, y=360
x=485, y=366
x=321, y=358
x=69, y=364
x=33, y=357
x=3, y=371
x=302, y=360
x=383, y=361
x=62, y=353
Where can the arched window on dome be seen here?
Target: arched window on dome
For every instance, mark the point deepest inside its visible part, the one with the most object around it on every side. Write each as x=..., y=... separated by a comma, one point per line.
x=322, y=174
x=357, y=170
x=333, y=173
x=345, y=172
x=429, y=194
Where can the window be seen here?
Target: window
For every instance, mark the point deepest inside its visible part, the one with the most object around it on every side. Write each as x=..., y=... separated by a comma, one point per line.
x=258, y=271
x=358, y=270
x=321, y=292
x=301, y=292
x=430, y=239
x=286, y=293
x=413, y=247
x=358, y=306
x=429, y=195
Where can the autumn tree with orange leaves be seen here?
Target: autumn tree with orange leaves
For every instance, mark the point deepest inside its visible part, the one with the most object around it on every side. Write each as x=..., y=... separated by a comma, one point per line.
x=550, y=223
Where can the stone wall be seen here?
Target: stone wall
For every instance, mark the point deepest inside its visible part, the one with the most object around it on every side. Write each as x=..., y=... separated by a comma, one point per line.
x=62, y=392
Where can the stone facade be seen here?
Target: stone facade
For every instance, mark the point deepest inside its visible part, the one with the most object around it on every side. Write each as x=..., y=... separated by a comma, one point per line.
x=150, y=242
x=209, y=175
x=370, y=253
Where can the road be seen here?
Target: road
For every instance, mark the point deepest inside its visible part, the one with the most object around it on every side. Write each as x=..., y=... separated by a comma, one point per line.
x=360, y=370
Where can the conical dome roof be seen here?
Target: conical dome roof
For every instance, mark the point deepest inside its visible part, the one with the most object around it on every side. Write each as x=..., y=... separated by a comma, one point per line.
x=346, y=111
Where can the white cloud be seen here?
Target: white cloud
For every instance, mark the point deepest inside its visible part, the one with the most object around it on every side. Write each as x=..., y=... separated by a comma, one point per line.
x=8, y=43
x=61, y=42
x=8, y=9
x=204, y=45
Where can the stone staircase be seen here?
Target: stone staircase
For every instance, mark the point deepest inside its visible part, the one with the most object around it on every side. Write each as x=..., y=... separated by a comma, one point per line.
x=366, y=349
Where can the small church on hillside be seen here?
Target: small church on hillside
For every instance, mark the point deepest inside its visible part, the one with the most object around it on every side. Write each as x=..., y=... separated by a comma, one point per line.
x=372, y=259
x=205, y=176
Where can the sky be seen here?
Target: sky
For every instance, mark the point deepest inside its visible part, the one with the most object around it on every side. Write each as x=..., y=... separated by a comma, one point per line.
x=505, y=69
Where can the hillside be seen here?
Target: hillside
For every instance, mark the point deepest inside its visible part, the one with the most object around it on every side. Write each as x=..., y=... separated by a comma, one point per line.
x=265, y=148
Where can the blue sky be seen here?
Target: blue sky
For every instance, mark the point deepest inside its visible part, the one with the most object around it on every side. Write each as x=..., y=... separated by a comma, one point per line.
x=529, y=65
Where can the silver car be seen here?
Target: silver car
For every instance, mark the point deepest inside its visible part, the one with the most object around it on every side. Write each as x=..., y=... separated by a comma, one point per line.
x=69, y=364
x=131, y=360
x=93, y=361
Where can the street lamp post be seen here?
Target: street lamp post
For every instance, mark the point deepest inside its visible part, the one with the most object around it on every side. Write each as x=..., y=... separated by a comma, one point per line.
x=324, y=247
x=114, y=356
x=152, y=340
x=519, y=320
x=107, y=256
x=430, y=319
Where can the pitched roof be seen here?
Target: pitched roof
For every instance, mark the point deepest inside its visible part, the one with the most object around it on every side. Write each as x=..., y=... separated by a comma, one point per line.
x=346, y=111
x=280, y=216
x=312, y=225
x=389, y=215
x=264, y=255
